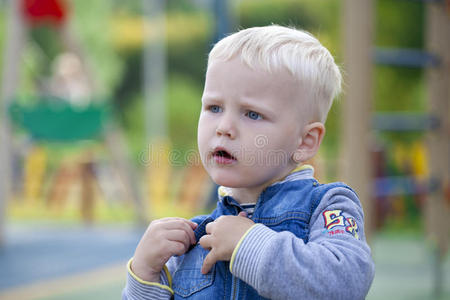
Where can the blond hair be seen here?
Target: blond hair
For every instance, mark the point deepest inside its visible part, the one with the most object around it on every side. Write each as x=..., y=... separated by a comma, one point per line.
x=275, y=48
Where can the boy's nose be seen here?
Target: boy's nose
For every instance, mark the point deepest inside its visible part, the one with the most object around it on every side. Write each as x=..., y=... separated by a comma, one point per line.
x=226, y=128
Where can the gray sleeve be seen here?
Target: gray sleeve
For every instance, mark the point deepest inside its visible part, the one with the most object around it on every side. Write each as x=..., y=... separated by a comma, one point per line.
x=137, y=289
x=336, y=261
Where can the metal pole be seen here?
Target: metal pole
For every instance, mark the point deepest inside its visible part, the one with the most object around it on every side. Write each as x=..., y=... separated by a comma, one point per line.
x=15, y=39
x=222, y=14
x=155, y=68
x=356, y=165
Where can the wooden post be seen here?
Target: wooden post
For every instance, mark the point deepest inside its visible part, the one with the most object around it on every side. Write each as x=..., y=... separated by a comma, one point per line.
x=355, y=163
x=87, y=191
x=15, y=39
x=437, y=207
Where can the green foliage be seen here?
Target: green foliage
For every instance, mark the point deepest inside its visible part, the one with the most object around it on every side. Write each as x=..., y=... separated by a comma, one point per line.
x=187, y=47
x=189, y=39
x=129, y=88
x=184, y=101
x=186, y=6
x=190, y=32
x=399, y=89
x=49, y=44
x=319, y=17
x=399, y=24
x=282, y=12
x=184, y=97
x=133, y=121
x=92, y=26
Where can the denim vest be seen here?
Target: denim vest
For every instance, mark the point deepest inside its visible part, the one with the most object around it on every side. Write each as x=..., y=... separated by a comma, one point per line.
x=285, y=206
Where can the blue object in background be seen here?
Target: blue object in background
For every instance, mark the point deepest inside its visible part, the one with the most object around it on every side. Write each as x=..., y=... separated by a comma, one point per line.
x=40, y=252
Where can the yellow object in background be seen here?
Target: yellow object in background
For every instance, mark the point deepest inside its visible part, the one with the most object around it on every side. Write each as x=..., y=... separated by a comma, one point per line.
x=194, y=189
x=419, y=160
x=158, y=177
x=413, y=156
x=35, y=165
x=400, y=155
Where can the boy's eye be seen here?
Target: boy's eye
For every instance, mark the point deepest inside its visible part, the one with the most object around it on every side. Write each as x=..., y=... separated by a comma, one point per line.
x=215, y=109
x=254, y=115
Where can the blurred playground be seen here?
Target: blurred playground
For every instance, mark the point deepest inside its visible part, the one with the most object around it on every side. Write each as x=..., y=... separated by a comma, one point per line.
x=99, y=103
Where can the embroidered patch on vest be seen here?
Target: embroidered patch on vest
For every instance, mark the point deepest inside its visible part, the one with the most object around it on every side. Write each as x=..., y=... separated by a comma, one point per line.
x=336, y=223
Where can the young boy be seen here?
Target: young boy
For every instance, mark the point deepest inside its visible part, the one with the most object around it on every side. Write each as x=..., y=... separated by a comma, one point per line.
x=276, y=232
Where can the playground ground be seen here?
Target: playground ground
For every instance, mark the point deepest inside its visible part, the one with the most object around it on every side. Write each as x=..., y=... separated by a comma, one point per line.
x=47, y=262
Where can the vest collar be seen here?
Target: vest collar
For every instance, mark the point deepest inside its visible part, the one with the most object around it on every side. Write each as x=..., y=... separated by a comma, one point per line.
x=300, y=173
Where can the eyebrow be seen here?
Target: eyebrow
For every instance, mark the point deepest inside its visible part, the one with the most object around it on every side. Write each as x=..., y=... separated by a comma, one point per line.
x=256, y=104
x=210, y=97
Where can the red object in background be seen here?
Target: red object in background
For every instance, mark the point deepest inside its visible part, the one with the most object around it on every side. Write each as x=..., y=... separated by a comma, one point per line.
x=37, y=12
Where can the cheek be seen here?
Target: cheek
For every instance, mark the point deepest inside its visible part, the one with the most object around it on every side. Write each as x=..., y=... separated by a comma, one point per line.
x=201, y=142
x=281, y=146
x=283, y=138
x=289, y=138
x=201, y=128
x=203, y=133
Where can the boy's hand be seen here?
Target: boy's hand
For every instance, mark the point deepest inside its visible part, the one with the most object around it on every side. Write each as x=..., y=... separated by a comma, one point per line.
x=162, y=239
x=222, y=237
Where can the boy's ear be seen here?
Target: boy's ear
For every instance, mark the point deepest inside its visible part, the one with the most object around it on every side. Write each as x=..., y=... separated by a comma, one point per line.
x=309, y=142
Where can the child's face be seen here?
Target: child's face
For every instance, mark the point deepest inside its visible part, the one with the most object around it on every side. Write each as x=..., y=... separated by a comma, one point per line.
x=250, y=124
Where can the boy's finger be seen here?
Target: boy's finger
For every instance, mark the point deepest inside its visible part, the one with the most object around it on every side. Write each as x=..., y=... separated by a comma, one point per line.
x=190, y=233
x=174, y=223
x=193, y=224
x=187, y=227
x=170, y=219
x=209, y=261
x=205, y=242
x=209, y=227
x=179, y=236
x=243, y=214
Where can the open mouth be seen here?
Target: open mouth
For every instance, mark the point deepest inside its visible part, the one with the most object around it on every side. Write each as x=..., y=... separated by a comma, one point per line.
x=222, y=156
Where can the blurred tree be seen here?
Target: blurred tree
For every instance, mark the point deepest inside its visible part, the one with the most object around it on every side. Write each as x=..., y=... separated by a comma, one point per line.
x=93, y=25
x=188, y=42
x=111, y=32
x=399, y=24
x=284, y=12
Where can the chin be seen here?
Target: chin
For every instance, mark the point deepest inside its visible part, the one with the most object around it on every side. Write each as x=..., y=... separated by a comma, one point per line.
x=227, y=181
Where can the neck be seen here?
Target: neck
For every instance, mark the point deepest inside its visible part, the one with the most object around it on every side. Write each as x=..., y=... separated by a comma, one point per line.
x=251, y=194
x=246, y=195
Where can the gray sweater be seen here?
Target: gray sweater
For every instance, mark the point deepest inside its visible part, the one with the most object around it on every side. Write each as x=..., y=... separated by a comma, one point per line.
x=334, y=262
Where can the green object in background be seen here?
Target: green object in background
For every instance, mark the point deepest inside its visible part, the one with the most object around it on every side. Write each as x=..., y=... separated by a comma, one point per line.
x=58, y=120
